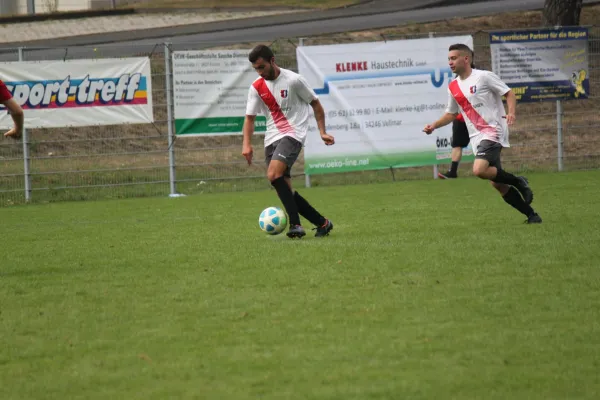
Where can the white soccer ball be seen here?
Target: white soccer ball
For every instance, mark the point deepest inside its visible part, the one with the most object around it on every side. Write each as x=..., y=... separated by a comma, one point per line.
x=272, y=220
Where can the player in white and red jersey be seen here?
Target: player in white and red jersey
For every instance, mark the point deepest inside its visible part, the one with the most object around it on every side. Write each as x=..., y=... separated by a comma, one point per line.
x=284, y=98
x=15, y=111
x=477, y=95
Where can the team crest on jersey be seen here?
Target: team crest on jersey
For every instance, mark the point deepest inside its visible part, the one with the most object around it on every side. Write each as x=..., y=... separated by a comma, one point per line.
x=473, y=89
x=284, y=93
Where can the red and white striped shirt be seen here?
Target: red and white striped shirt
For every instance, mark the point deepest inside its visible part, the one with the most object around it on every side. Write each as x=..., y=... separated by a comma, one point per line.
x=285, y=102
x=479, y=99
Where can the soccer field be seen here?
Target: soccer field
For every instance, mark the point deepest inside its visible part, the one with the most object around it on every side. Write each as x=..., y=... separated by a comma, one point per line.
x=424, y=290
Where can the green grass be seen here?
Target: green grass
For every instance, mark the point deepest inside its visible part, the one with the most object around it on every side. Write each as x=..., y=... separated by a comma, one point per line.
x=424, y=290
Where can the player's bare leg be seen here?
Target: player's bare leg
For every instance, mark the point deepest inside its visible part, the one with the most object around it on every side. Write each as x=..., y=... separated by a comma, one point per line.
x=482, y=169
x=456, y=154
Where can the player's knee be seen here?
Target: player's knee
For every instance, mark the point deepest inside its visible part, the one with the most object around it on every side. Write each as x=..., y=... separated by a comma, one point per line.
x=273, y=175
x=479, y=171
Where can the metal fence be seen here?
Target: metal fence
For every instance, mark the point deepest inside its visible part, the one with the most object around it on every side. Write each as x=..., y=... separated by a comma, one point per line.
x=120, y=161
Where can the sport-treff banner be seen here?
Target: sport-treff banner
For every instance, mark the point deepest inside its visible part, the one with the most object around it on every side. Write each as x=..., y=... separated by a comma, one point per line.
x=377, y=99
x=57, y=94
x=543, y=65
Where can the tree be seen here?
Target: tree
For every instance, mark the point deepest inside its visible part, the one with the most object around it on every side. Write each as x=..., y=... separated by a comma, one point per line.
x=562, y=12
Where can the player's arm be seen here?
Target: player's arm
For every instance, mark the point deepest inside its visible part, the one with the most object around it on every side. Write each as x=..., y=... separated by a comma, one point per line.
x=448, y=117
x=252, y=109
x=511, y=102
x=443, y=121
x=501, y=88
x=248, y=131
x=307, y=94
x=320, y=117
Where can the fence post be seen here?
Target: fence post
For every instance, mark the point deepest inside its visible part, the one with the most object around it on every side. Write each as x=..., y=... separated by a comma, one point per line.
x=306, y=176
x=114, y=4
x=435, y=166
x=559, y=134
x=26, y=173
x=171, y=139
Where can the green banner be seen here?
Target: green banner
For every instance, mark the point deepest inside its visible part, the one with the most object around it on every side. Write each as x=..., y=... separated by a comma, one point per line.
x=216, y=125
x=355, y=162
x=210, y=91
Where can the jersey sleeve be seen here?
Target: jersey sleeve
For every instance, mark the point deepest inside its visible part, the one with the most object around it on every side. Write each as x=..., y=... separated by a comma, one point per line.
x=4, y=93
x=253, y=104
x=495, y=84
x=452, y=107
x=305, y=92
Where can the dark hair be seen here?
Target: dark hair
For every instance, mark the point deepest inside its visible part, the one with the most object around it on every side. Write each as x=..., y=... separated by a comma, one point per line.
x=461, y=47
x=465, y=48
x=261, y=51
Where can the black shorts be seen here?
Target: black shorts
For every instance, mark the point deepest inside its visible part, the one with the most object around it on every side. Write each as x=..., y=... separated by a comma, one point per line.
x=490, y=151
x=460, y=134
x=286, y=149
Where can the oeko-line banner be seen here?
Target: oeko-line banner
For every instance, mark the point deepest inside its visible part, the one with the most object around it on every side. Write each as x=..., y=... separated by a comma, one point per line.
x=377, y=98
x=80, y=92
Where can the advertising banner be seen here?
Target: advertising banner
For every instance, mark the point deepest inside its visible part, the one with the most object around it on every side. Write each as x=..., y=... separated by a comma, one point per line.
x=543, y=65
x=211, y=90
x=80, y=92
x=377, y=98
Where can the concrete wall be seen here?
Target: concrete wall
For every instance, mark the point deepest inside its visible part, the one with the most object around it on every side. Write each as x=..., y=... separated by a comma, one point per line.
x=13, y=7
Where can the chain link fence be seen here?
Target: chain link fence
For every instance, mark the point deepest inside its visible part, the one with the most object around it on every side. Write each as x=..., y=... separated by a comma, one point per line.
x=119, y=161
